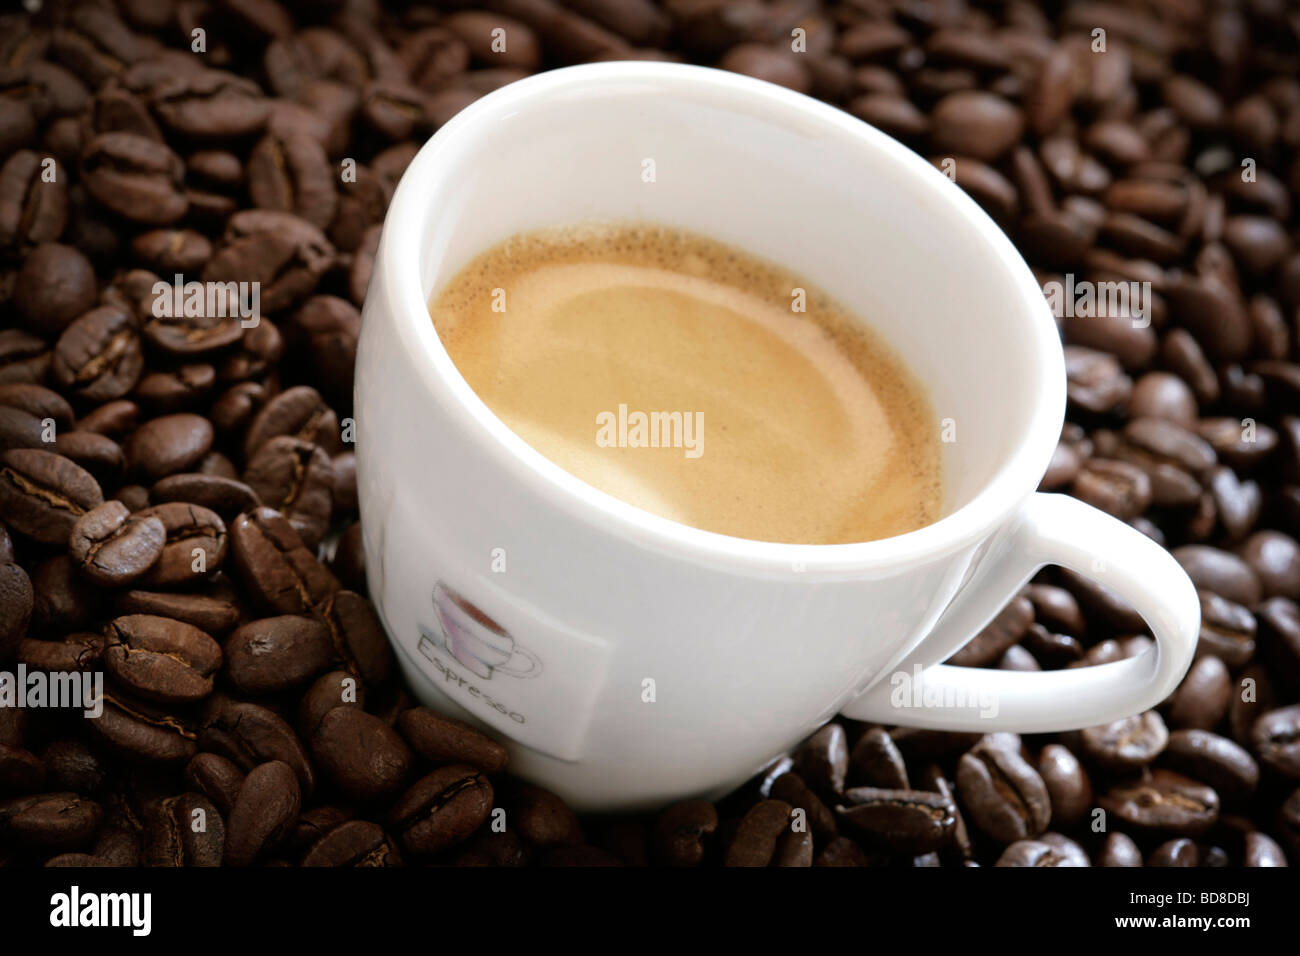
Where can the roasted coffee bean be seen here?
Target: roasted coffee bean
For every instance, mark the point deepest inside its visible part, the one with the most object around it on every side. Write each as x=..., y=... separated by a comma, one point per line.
x=16, y=602
x=759, y=837
x=1227, y=630
x=226, y=496
x=208, y=612
x=160, y=659
x=1163, y=802
x=297, y=479
x=264, y=813
x=185, y=830
x=195, y=544
x=358, y=636
x=1262, y=850
x=355, y=843
x=1275, y=559
x=1126, y=744
x=877, y=762
x=443, y=808
x=446, y=740
x=114, y=547
x=1221, y=572
x=249, y=734
x=142, y=731
x=1279, y=639
x=76, y=652
x=1201, y=701
x=823, y=760
x=1002, y=793
x=1000, y=633
x=902, y=821
x=167, y=445
x=682, y=833
x=292, y=174
x=42, y=495
x=216, y=778
x=71, y=765
x=1041, y=852
x=791, y=788
x=136, y=177
x=362, y=756
x=275, y=566
x=1179, y=852
x=55, y=285
x=1215, y=760
x=335, y=689
x=53, y=822
x=1276, y=740
x=98, y=357
x=1067, y=785
x=300, y=413
x=1120, y=850
x=276, y=653
x=1116, y=487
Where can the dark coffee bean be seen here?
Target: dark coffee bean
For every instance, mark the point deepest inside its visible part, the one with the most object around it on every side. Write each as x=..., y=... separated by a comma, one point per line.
x=16, y=602
x=136, y=177
x=277, y=653
x=264, y=813
x=142, y=731
x=76, y=652
x=349, y=561
x=355, y=843
x=1221, y=572
x=818, y=819
x=170, y=251
x=1164, y=396
x=1042, y=853
x=167, y=445
x=1275, y=559
x=1004, y=795
x=1215, y=760
x=195, y=544
x=362, y=755
x=682, y=833
x=1067, y=785
x=358, y=636
x=446, y=740
x=217, y=324
x=1000, y=633
x=975, y=124
x=160, y=659
x=1236, y=502
x=226, y=496
x=487, y=848
x=55, y=285
x=1126, y=744
x=208, y=612
x=296, y=478
x=20, y=771
x=1116, y=487
x=757, y=840
x=1235, y=445
x=1276, y=740
x=1057, y=609
x=98, y=356
x=51, y=822
x=842, y=851
x=1163, y=802
x=298, y=412
x=292, y=174
x=335, y=689
x=216, y=778
x=823, y=760
x=249, y=734
x=442, y=809
x=1262, y=850
x=1201, y=701
x=275, y=566
x=100, y=456
x=1179, y=852
x=1227, y=630
x=902, y=821
x=114, y=547
x=32, y=210
x=185, y=830
x=209, y=104
x=1095, y=381
x=43, y=494
x=286, y=255
x=877, y=762
x=71, y=765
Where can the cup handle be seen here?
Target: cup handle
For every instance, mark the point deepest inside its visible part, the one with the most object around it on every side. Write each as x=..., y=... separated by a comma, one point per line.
x=1050, y=529
x=530, y=667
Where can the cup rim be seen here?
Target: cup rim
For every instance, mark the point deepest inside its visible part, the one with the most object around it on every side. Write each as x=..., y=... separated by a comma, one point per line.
x=398, y=267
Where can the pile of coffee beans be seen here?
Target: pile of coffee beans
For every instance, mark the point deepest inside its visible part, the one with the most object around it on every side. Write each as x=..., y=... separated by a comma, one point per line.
x=177, y=493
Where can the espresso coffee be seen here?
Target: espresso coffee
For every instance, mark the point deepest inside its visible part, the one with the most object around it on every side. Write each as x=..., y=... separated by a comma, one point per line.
x=697, y=382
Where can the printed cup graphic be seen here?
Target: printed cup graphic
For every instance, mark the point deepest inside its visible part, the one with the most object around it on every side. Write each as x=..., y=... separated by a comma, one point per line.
x=477, y=642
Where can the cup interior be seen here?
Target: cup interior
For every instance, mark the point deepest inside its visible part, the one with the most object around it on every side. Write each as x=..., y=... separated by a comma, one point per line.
x=783, y=177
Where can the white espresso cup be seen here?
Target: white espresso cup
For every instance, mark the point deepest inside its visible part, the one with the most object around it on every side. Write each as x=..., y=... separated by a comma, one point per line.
x=629, y=660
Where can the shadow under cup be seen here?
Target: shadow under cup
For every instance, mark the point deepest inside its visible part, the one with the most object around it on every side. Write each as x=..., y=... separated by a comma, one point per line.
x=907, y=252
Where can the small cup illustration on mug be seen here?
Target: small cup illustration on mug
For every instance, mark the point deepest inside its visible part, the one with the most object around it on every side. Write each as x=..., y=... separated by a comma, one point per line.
x=477, y=642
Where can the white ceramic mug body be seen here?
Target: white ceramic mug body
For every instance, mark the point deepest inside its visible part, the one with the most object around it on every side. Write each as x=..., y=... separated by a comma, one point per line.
x=633, y=660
